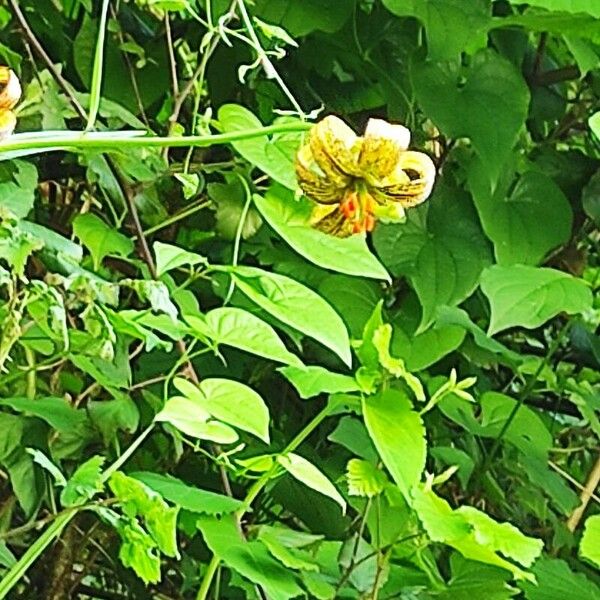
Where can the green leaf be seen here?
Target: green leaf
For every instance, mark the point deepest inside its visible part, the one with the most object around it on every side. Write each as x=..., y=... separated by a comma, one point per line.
x=300, y=19
x=591, y=7
x=313, y=380
x=452, y=25
x=528, y=296
x=441, y=248
x=594, y=123
x=305, y=472
x=138, y=500
x=18, y=183
x=100, y=239
x=511, y=219
x=555, y=579
x=589, y=546
x=273, y=156
x=170, y=257
x=250, y=559
x=399, y=436
x=139, y=551
x=241, y=329
x=289, y=217
x=186, y=496
x=230, y=401
x=475, y=535
x=84, y=484
x=7, y=558
x=487, y=101
x=295, y=305
x=364, y=479
x=191, y=418
x=275, y=538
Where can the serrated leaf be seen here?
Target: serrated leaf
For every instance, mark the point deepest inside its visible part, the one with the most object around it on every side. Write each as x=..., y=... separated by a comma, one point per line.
x=589, y=546
x=84, y=484
x=528, y=296
x=364, y=479
x=399, y=436
x=307, y=473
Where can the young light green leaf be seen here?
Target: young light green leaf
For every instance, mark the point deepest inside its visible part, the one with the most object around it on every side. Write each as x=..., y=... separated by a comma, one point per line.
x=527, y=297
x=41, y=459
x=399, y=436
x=364, y=479
x=313, y=380
x=305, y=472
x=230, y=401
x=290, y=219
x=170, y=257
x=84, y=484
x=241, y=329
x=589, y=546
x=295, y=305
x=100, y=239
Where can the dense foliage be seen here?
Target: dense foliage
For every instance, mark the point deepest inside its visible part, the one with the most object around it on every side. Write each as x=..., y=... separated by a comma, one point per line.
x=204, y=396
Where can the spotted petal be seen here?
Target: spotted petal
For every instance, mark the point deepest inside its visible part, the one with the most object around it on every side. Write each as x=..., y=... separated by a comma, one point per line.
x=381, y=148
x=329, y=219
x=10, y=88
x=336, y=149
x=313, y=181
x=410, y=183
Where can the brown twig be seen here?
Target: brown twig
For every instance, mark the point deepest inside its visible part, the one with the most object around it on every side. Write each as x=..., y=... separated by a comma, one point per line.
x=588, y=491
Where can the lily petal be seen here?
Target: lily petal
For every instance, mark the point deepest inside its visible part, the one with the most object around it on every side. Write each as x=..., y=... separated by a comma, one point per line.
x=8, y=122
x=382, y=144
x=336, y=148
x=10, y=88
x=313, y=181
x=411, y=181
x=329, y=219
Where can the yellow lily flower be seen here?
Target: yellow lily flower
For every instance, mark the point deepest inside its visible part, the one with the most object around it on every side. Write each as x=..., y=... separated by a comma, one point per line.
x=356, y=180
x=10, y=94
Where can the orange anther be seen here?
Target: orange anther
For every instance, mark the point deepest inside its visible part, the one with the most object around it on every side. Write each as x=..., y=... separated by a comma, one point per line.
x=369, y=222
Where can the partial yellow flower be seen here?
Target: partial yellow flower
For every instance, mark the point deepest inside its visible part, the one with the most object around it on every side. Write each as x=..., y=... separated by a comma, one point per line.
x=356, y=180
x=10, y=94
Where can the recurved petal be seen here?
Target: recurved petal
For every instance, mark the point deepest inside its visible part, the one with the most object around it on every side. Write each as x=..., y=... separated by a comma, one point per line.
x=330, y=220
x=382, y=144
x=10, y=88
x=336, y=148
x=8, y=122
x=411, y=181
x=313, y=181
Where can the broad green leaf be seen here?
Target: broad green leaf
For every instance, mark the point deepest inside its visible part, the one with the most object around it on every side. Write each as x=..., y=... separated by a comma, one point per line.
x=250, y=559
x=289, y=217
x=302, y=18
x=289, y=556
x=139, y=550
x=242, y=329
x=399, y=436
x=487, y=102
x=313, y=380
x=112, y=416
x=295, y=305
x=475, y=535
x=527, y=297
x=191, y=418
x=452, y=25
x=353, y=435
x=274, y=156
x=589, y=546
x=594, y=123
x=18, y=182
x=364, y=479
x=100, y=239
x=231, y=402
x=186, y=496
x=170, y=257
x=440, y=248
x=555, y=579
x=138, y=500
x=591, y=7
x=511, y=218
x=305, y=472
x=57, y=412
x=84, y=484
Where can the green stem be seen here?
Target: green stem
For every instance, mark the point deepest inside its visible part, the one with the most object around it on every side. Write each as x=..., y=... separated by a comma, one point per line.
x=84, y=141
x=259, y=485
x=19, y=569
x=96, y=87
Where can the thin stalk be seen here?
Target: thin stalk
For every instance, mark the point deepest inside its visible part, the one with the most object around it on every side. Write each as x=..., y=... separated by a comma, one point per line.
x=258, y=486
x=96, y=88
